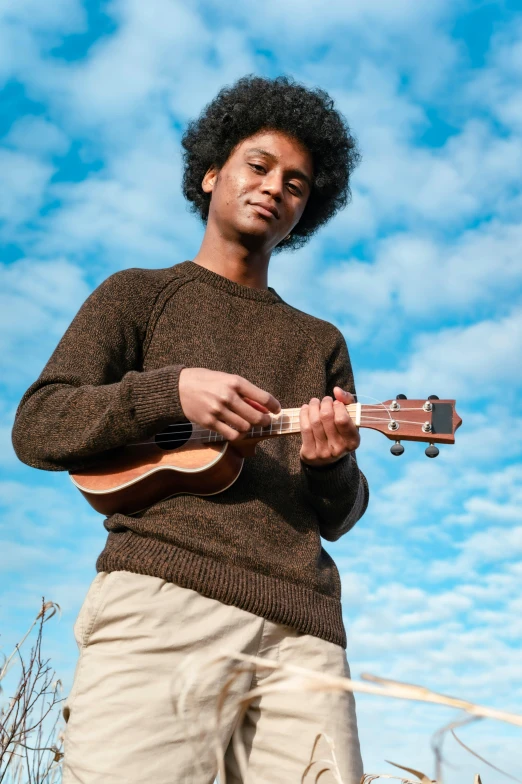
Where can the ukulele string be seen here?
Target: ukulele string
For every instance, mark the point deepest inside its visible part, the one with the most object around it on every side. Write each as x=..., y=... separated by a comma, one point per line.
x=177, y=429
x=282, y=424
x=380, y=407
x=287, y=427
x=279, y=426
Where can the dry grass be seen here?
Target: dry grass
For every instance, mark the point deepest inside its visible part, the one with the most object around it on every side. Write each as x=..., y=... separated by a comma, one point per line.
x=29, y=746
x=287, y=677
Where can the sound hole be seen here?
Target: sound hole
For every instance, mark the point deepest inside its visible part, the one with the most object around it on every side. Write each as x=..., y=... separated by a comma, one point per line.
x=173, y=436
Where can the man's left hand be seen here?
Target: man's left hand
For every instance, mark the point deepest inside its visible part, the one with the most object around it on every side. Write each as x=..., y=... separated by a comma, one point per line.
x=327, y=430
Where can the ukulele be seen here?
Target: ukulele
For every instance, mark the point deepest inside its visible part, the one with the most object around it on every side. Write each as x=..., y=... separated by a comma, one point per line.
x=186, y=458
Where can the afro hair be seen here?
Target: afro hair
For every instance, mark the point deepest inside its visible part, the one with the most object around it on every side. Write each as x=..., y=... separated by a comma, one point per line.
x=254, y=103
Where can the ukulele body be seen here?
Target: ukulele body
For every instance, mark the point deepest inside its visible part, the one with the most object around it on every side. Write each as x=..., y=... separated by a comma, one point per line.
x=138, y=475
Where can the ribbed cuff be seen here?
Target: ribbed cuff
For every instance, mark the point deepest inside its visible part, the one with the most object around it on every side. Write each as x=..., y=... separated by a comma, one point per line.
x=330, y=480
x=154, y=394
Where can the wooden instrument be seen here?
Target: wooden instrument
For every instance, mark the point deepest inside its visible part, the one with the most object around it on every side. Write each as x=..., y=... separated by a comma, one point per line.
x=186, y=458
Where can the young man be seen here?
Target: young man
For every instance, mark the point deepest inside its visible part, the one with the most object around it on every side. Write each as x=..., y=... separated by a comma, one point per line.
x=207, y=340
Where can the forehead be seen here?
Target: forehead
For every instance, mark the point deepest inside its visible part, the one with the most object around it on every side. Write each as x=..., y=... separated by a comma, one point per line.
x=283, y=147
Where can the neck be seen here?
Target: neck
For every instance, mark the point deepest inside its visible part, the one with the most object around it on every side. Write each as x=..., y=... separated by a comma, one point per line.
x=286, y=422
x=233, y=259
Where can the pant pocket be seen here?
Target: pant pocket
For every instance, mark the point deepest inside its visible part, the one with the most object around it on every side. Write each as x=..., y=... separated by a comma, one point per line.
x=83, y=627
x=89, y=610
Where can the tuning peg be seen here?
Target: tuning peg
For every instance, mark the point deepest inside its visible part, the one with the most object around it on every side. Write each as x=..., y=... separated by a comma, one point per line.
x=397, y=449
x=433, y=397
x=431, y=451
x=401, y=397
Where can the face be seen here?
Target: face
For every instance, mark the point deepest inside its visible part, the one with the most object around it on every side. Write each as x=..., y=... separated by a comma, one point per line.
x=259, y=194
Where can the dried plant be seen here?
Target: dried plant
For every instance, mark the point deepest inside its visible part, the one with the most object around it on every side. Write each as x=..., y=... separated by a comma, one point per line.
x=286, y=677
x=30, y=744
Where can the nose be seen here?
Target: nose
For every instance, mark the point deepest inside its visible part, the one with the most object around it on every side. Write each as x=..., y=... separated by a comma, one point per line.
x=273, y=185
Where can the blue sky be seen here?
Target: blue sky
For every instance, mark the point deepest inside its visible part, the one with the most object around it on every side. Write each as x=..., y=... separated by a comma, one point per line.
x=422, y=272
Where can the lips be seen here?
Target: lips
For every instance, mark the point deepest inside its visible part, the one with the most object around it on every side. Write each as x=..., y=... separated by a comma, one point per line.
x=266, y=209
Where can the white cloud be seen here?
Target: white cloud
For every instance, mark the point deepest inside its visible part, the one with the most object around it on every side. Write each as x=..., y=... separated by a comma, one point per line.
x=66, y=16
x=445, y=640
x=482, y=548
x=497, y=86
x=133, y=211
x=484, y=509
x=8, y=458
x=37, y=135
x=472, y=174
x=491, y=433
x=135, y=72
x=38, y=300
x=29, y=28
x=132, y=65
x=23, y=179
x=398, y=33
x=475, y=362
x=414, y=279
x=404, y=499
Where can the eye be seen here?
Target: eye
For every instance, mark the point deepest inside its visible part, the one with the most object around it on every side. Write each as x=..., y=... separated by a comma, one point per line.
x=295, y=189
x=257, y=167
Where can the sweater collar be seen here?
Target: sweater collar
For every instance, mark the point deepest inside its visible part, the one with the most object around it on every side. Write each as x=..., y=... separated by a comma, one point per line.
x=195, y=271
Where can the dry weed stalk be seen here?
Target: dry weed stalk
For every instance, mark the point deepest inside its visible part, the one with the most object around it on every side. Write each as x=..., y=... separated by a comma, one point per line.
x=28, y=735
x=370, y=777
x=293, y=678
x=316, y=767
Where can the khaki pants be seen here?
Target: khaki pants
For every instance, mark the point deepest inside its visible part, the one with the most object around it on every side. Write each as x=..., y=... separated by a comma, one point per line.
x=123, y=725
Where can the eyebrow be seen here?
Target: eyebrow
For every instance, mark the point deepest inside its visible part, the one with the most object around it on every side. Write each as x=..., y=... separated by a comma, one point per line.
x=295, y=172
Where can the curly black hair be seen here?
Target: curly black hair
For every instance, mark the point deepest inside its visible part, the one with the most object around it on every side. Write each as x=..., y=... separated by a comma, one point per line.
x=254, y=103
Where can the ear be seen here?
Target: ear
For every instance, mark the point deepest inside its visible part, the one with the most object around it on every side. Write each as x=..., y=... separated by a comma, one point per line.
x=209, y=180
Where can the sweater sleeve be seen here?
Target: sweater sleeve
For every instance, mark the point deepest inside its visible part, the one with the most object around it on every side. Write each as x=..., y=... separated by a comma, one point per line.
x=91, y=396
x=339, y=491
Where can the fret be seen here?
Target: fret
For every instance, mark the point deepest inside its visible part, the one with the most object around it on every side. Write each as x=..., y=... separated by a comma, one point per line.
x=286, y=422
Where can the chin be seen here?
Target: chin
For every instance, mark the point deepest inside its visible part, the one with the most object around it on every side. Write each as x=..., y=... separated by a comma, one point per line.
x=250, y=233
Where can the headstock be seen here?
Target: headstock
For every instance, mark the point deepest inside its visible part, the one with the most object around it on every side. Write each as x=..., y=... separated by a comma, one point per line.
x=432, y=420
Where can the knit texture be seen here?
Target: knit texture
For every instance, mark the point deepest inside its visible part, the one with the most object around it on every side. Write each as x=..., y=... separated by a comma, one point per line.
x=114, y=379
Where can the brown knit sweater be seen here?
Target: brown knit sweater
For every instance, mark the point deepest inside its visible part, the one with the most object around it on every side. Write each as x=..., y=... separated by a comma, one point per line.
x=113, y=379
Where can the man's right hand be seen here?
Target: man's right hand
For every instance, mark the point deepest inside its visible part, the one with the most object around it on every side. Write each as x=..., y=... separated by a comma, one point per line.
x=218, y=401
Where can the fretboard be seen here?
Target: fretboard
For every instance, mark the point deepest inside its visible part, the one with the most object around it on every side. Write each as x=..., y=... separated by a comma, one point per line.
x=284, y=423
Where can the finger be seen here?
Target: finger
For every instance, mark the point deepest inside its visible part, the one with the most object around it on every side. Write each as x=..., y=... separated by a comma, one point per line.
x=339, y=438
x=228, y=433
x=247, y=389
x=337, y=442
x=330, y=417
x=316, y=420
x=342, y=429
x=339, y=414
x=345, y=426
x=233, y=420
x=307, y=436
x=322, y=447
x=248, y=412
